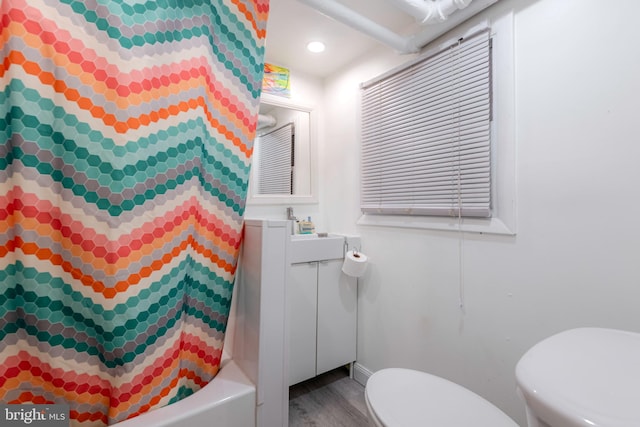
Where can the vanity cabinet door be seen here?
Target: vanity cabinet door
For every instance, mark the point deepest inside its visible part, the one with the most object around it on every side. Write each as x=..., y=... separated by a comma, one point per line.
x=337, y=317
x=302, y=302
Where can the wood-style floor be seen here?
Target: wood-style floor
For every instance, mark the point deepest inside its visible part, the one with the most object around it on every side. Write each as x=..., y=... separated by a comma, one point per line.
x=329, y=400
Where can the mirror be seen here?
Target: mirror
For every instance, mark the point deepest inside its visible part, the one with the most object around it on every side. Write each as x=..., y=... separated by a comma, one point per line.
x=284, y=154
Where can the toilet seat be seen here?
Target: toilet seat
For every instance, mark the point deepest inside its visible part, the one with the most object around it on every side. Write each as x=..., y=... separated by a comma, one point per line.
x=399, y=397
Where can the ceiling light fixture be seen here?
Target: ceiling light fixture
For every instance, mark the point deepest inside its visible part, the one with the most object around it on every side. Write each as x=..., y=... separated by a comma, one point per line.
x=316, y=47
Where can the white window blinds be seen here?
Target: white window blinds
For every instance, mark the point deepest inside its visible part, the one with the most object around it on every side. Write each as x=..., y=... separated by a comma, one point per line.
x=275, y=161
x=426, y=135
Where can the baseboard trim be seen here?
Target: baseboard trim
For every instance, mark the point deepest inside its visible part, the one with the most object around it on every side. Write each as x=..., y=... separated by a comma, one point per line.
x=361, y=374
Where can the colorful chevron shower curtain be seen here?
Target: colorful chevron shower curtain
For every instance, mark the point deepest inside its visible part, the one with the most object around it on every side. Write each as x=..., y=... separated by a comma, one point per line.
x=127, y=129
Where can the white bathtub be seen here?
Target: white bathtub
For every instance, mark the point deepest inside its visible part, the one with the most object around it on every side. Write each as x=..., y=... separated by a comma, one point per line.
x=229, y=400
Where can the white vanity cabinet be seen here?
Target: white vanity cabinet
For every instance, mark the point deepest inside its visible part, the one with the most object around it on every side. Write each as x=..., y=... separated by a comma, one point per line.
x=322, y=309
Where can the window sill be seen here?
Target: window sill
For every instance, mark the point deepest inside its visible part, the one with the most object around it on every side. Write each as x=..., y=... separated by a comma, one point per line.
x=471, y=225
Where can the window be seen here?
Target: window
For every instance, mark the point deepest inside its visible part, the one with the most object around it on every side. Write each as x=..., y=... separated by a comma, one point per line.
x=426, y=135
x=275, y=161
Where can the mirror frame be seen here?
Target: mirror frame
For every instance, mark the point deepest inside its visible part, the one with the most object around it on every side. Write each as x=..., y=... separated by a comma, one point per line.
x=275, y=199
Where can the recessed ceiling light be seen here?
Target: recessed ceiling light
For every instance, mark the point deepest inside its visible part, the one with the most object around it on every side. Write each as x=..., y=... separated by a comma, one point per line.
x=316, y=47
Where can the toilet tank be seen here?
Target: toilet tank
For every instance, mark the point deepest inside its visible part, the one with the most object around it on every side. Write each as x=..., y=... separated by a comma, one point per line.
x=586, y=377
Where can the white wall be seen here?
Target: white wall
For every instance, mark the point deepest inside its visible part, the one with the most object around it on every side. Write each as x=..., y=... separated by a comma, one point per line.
x=575, y=260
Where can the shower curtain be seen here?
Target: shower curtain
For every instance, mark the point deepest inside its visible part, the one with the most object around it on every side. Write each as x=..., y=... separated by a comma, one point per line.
x=126, y=131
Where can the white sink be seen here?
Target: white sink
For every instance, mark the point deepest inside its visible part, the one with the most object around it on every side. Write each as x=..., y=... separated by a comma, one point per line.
x=311, y=247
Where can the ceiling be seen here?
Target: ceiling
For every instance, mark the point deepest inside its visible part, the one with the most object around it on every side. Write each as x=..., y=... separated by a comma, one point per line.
x=292, y=25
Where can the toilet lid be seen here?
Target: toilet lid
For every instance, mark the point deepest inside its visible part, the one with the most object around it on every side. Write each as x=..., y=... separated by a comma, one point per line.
x=585, y=377
x=403, y=397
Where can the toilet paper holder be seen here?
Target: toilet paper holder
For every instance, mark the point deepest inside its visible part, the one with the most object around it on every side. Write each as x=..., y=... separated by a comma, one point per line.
x=346, y=249
x=355, y=249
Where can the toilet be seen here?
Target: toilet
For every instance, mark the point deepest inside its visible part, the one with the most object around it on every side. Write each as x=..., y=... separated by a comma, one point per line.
x=586, y=377
x=398, y=397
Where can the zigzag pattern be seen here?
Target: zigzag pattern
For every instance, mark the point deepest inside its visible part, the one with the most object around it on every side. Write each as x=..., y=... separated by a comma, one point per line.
x=126, y=133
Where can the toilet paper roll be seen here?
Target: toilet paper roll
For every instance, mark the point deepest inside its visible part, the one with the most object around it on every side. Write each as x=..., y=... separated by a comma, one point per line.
x=355, y=264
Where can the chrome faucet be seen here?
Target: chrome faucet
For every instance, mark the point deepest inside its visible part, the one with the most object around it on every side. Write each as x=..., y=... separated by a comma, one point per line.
x=290, y=215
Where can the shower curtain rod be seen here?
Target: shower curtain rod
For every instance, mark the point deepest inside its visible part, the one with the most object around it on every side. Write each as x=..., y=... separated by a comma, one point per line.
x=440, y=16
